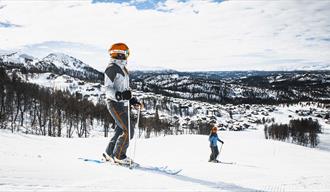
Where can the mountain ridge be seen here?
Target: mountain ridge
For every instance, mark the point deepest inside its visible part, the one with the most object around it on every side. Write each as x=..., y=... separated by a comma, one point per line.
x=57, y=63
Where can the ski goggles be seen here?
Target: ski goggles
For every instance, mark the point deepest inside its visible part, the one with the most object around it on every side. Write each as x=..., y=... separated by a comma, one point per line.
x=125, y=52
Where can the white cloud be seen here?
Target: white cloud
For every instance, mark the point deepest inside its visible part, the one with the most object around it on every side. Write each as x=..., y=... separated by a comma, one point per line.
x=193, y=35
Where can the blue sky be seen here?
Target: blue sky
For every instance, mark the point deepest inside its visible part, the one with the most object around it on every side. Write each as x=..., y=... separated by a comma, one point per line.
x=142, y=4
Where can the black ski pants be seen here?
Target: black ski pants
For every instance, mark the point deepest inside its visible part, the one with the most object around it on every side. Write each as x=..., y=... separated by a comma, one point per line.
x=214, y=153
x=119, y=142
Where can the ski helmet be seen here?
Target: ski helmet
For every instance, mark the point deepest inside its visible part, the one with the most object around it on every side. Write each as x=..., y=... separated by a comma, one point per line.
x=119, y=51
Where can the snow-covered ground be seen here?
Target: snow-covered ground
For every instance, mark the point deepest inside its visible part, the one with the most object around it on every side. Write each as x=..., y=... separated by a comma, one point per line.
x=37, y=163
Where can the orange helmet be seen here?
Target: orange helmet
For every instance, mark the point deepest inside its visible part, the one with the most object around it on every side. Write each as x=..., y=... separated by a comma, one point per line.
x=117, y=50
x=214, y=130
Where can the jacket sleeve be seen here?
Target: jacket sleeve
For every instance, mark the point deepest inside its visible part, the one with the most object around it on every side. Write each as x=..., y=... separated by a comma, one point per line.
x=134, y=101
x=219, y=139
x=109, y=79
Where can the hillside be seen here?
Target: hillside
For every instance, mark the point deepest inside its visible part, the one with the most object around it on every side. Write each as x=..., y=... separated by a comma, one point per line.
x=172, y=99
x=64, y=72
x=237, y=87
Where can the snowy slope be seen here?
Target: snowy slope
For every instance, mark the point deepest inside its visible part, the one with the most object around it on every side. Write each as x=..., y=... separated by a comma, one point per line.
x=32, y=163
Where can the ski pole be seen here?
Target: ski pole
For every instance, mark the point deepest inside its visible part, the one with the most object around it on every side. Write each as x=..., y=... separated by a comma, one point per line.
x=219, y=151
x=137, y=126
x=129, y=129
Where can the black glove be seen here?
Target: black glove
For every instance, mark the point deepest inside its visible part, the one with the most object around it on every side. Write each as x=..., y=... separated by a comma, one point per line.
x=125, y=95
x=134, y=101
x=222, y=142
x=118, y=96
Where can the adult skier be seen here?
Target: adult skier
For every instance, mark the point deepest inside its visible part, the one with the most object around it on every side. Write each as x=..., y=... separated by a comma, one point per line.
x=213, y=138
x=118, y=97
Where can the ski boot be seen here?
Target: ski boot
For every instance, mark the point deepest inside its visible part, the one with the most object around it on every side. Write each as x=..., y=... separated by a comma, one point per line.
x=125, y=161
x=108, y=158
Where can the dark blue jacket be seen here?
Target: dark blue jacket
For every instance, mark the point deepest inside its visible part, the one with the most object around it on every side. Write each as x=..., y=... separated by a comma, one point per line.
x=213, y=138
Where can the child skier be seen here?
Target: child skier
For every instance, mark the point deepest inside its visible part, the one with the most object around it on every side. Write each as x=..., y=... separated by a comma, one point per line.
x=213, y=138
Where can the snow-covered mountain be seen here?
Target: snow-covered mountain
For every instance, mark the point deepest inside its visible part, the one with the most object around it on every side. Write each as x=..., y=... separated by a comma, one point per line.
x=57, y=63
x=178, y=95
x=237, y=87
x=56, y=71
x=65, y=61
x=16, y=59
x=175, y=97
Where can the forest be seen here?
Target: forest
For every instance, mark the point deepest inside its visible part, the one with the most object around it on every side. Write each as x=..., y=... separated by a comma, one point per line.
x=300, y=131
x=29, y=108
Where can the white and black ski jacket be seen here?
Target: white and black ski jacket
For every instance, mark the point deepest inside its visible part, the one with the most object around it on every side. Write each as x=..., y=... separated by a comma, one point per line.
x=116, y=78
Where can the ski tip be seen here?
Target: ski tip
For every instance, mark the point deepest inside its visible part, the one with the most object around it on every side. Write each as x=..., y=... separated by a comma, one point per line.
x=173, y=172
x=229, y=163
x=83, y=159
x=91, y=160
x=176, y=172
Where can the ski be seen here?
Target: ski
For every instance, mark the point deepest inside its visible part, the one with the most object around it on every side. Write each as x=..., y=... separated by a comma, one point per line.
x=92, y=160
x=134, y=165
x=224, y=162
